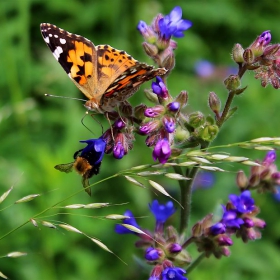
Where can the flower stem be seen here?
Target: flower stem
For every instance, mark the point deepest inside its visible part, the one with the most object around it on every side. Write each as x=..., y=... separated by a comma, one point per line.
x=186, y=194
x=221, y=120
x=195, y=263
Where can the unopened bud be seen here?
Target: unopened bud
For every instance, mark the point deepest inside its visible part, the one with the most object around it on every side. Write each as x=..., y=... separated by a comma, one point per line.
x=196, y=119
x=232, y=82
x=167, y=59
x=182, y=98
x=248, y=56
x=258, y=46
x=241, y=180
x=139, y=111
x=209, y=133
x=237, y=53
x=150, y=49
x=214, y=102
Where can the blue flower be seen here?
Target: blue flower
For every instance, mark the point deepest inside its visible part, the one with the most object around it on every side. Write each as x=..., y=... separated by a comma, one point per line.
x=152, y=254
x=120, y=229
x=243, y=203
x=94, y=151
x=173, y=24
x=218, y=228
x=174, y=106
x=231, y=220
x=277, y=194
x=162, y=151
x=173, y=273
x=159, y=88
x=269, y=158
x=169, y=124
x=162, y=212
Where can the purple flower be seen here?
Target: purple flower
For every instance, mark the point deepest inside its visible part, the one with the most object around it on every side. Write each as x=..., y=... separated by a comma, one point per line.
x=231, y=220
x=118, y=151
x=169, y=124
x=174, y=106
x=173, y=24
x=152, y=254
x=175, y=248
x=269, y=158
x=162, y=212
x=119, y=124
x=173, y=273
x=159, y=88
x=218, y=228
x=146, y=31
x=265, y=38
x=120, y=229
x=94, y=151
x=243, y=203
x=162, y=151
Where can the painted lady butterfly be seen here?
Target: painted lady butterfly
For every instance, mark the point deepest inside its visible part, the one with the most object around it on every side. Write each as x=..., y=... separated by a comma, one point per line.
x=105, y=75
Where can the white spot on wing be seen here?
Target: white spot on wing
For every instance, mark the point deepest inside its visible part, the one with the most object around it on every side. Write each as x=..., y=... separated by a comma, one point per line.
x=57, y=52
x=50, y=35
x=55, y=36
x=62, y=41
x=47, y=40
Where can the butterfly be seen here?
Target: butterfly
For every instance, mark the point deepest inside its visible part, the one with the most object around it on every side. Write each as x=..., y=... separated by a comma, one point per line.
x=105, y=75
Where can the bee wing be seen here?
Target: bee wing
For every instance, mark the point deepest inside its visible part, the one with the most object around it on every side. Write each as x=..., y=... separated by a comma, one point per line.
x=65, y=167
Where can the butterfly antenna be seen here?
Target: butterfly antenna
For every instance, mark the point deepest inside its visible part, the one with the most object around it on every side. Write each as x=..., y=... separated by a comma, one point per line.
x=82, y=121
x=66, y=97
x=93, y=116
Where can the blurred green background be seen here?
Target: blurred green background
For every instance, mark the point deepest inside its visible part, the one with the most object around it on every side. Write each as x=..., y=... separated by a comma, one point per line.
x=38, y=133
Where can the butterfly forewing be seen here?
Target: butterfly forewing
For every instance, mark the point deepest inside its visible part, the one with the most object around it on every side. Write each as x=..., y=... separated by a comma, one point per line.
x=105, y=75
x=75, y=54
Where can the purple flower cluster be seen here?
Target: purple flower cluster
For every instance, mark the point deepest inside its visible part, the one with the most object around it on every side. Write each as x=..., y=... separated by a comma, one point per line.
x=158, y=43
x=161, y=121
x=264, y=178
x=161, y=250
x=239, y=218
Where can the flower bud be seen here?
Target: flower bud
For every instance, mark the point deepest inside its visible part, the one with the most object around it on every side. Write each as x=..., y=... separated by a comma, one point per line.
x=153, y=112
x=258, y=46
x=167, y=59
x=174, y=106
x=181, y=134
x=119, y=124
x=232, y=82
x=248, y=56
x=139, y=111
x=146, y=31
x=152, y=254
x=224, y=240
x=237, y=53
x=169, y=124
x=182, y=98
x=214, y=102
x=209, y=133
x=241, y=180
x=151, y=50
x=149, y=127
x=196, y=119
x=174, y=248
x=118, y=151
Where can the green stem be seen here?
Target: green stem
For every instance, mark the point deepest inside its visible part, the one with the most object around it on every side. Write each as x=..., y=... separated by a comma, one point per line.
x=186, y=195
x=195, y=263
x=221, y=120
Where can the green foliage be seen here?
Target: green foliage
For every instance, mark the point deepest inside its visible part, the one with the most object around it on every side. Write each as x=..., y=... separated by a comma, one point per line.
x=38, y=132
